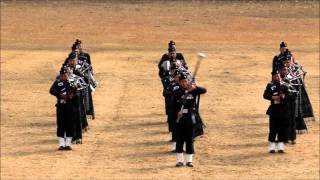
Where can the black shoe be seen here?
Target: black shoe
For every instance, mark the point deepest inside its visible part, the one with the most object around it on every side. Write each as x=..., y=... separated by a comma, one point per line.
x=179, y=164
x=189, y=164
x=281, y=151
x=174, y=151
x=61, y=148
x=68, y=148
x=293, y=142
x=272, y=151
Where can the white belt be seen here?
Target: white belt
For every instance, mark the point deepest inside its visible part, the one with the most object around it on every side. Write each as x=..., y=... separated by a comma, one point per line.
x=185, y=111
x=62, y=101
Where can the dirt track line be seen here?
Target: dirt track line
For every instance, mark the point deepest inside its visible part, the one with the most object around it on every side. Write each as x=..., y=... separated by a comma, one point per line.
x=99, y=142
x=121, y=100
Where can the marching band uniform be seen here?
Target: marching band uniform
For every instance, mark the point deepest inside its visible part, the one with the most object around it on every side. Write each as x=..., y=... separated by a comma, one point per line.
x=186, y=124
x=279, y=112
x=65, y=123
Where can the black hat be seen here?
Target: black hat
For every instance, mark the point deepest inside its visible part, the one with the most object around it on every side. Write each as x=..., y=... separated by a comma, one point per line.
x=78, y=41
x=281, y=66
x=174, y=66
x=171, y=43
x=63, y=70
x=282, y=58
x=171, y=49
x=288, y=55
x=75, y=46
x=182, y=74
x=182, y=77
x=283, y=44
x=72, y=55
x=274, y=72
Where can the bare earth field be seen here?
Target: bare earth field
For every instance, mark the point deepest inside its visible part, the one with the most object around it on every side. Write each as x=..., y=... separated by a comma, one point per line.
x=128, y=139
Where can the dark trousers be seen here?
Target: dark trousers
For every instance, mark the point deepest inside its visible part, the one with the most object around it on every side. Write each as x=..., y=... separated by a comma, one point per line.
x=64, y=120
x=172, y=117
x=77, y=121
x=167, y=99
x=90, y=111
x=185, y=134
x=277, y=128
x=83, y=109
x=171, y=112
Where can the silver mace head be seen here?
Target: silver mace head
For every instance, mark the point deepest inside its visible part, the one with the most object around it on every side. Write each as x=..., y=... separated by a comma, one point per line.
x=201, y=55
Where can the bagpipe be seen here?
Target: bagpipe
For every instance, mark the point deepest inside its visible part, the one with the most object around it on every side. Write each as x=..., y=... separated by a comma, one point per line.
x=85, y=70
x=77, y=83
x=288, y=89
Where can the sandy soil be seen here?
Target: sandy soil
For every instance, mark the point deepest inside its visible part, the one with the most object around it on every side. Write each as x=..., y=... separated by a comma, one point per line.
x=129, y=139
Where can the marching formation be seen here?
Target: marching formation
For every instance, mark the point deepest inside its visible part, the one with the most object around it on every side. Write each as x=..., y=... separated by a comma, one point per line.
x=73, y=89
x=290, y=104
x=182, y=98
x=75, y=85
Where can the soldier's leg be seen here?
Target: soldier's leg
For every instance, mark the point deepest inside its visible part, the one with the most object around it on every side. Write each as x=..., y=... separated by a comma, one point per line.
x=166, y=99
x=272, y=130
x=170, y=113
x=180, y=143
x=282, y=138
x=174, y=132
x=60, y=127
x=69, y=126
x=179, y=138
x=272, y=134
x=172, y=117
x=77, y=125
x=189, y=144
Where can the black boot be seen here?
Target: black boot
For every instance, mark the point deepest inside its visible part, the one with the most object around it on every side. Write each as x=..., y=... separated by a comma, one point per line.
x=189, y=164
x=68, y=148
x=179, y=164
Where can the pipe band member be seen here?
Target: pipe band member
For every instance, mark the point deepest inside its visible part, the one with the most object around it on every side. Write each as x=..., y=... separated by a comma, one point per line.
x=61, y=89
x=186, y=120
x=280, y=96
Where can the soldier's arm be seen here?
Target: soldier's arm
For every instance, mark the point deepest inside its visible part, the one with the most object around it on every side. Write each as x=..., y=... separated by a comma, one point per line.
x=161, y=69
x=53, y=90
x=199, y=90
x=267, y=93
x=163, y=58
x=88, y=58
x=274, y=63
x=89, y=62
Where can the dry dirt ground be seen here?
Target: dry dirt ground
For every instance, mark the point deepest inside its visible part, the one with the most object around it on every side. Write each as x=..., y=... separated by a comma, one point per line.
x=128, y=139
